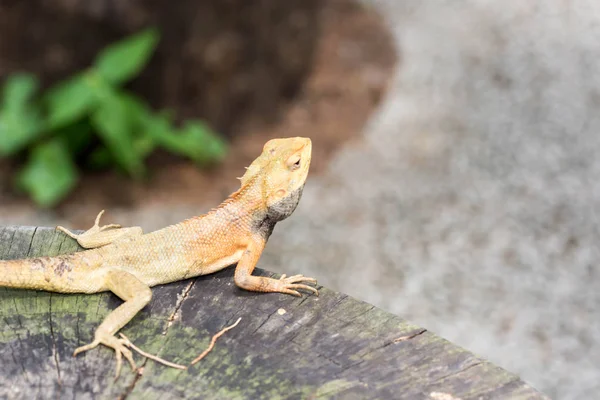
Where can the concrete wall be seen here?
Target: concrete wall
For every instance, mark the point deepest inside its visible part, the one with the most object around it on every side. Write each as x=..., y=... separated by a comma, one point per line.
x=471, y=207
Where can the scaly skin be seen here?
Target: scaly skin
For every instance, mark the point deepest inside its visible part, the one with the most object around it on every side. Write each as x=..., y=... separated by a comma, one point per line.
x=127, y=262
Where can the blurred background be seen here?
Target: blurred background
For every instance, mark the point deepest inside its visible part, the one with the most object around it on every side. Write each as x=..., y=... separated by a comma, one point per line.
x=455, y=166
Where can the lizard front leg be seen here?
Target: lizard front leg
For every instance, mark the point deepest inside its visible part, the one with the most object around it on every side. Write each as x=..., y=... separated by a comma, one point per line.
x=98, y=236
x=244, y=279
x=136, y=295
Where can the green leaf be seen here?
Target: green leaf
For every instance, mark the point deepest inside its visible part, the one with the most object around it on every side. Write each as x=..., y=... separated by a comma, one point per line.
x=136, y=108
x=205, y=146
x=49, y=173
x=18, y=90
x=115, y=127
x=195, y=140
x=144, y=144
x=20, y=122
x=72, y=99
x=123, y=60
x=139, y=113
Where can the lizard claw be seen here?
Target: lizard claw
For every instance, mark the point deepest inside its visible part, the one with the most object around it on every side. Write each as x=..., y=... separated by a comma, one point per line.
x=289, y=285
x=98, y=236
x=118, y=345
x=99, y=228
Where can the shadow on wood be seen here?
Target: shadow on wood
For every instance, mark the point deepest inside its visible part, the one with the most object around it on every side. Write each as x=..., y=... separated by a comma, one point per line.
x=331, y=346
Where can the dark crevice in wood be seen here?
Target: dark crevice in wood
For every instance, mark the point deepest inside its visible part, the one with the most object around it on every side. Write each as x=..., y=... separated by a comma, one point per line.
x=18, y=360
x=460, y=371
x=329, y=359
x=11, y=241
x=264, y=322
x=77, y=330
x=406, y=337
x=342, y=298
x=98, y=305
x=233, y=318
x=54, y=349
x=17, y=312
x=305, y=297
x=372, y=360
x=64, y=239
x=318, y=316
x=355, y=317
x=31, y=242
x=180, y=299
x=78, y=334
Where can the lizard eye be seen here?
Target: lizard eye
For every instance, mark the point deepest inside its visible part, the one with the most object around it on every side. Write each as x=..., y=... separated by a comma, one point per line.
x=294, y=162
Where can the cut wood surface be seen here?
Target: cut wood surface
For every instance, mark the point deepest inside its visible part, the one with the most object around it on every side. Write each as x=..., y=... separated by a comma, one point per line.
x=331, y=346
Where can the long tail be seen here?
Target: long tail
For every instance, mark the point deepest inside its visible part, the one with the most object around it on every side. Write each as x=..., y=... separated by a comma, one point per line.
x=40, y=273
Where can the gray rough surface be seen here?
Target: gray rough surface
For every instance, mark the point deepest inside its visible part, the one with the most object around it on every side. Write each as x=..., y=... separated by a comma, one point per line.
x=470, y=206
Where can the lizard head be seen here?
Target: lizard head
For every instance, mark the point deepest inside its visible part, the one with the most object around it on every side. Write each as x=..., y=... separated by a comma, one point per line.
x=282, y=169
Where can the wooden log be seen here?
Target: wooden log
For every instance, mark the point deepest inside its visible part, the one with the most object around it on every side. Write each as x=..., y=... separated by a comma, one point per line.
x=331, y=346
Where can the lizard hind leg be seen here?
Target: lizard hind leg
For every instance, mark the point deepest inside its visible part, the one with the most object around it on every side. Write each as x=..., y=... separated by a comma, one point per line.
x=98, y=236
x=136, y=295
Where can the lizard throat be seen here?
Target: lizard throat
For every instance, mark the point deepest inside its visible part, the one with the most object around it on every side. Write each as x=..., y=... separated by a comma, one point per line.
x=286, y=206
x=265, y=222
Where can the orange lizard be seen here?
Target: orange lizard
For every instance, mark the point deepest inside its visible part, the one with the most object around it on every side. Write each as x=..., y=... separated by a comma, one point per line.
x=128, y=262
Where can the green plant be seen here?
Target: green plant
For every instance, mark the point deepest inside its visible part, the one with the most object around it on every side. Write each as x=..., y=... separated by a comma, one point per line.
x=88, y=119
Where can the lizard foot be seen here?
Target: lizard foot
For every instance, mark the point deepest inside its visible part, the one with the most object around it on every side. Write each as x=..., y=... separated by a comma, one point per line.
x=118, y=345
x=289, y=285
x=98, y=236
x=94, y=229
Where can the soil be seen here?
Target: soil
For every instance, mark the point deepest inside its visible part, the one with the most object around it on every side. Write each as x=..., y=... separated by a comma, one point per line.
x=349, y=72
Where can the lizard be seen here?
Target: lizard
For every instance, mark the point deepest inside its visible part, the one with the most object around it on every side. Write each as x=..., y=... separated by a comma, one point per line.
x=128, y=262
